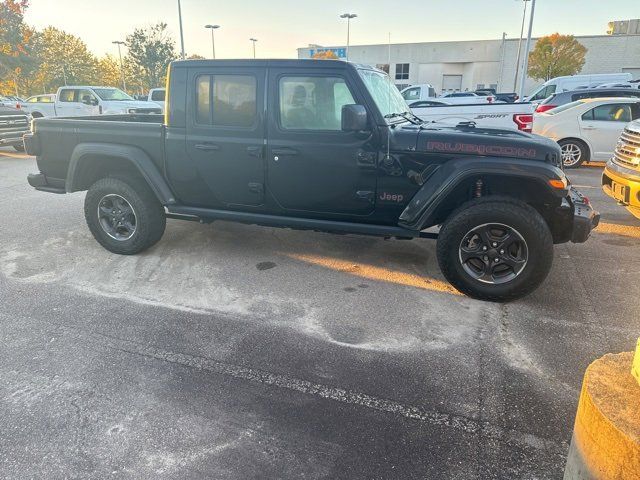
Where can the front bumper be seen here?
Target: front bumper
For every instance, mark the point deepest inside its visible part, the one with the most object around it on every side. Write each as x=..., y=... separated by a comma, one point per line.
x=585, y=218
x=11, y=138
x=629, y=178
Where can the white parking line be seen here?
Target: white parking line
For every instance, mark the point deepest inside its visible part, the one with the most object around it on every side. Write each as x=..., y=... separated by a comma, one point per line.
x=337, y=394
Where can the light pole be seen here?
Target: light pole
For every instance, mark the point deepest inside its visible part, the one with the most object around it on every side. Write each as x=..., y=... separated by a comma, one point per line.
x=348, y=16
x=124, y=83
x=524, y=14
x=254, y=40
x=181, y=32
x=213, y=40
x=525, y=64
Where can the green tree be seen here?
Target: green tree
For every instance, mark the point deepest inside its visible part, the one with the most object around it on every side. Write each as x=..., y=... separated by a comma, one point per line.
x=16, y=41
x=64, y=60
x=556, y=55
x=151, y=50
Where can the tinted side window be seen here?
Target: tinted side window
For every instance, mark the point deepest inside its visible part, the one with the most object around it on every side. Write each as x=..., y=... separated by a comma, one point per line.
x=612, y=113
x=411, y=94
x=313, y=103
x=158, y=96
x=67, y=95
x=226, y=100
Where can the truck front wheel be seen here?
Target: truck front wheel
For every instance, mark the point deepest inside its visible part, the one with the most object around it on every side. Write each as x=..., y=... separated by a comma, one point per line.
x=124, y=216
x=495, y=249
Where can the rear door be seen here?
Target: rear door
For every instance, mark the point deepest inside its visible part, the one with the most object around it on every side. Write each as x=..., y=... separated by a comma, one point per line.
x=313, y=166
x=88, y=103
x=68, y=104
x=602, y=126
x=225, y=133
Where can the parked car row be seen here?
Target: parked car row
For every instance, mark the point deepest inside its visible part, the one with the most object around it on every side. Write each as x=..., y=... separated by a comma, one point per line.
x=77, y=101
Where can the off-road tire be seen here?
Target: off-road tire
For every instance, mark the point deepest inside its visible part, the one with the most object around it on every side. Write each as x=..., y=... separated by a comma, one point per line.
x=149, y=214
x=502, y=210
x=585, y=155
x=19, y=148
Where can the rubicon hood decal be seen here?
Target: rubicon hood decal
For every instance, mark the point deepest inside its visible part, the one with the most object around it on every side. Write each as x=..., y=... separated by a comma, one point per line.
x=479, y=149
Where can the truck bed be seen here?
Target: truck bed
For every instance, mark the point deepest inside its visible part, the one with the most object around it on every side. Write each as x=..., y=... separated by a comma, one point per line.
x=58, y=137
x=491, y=115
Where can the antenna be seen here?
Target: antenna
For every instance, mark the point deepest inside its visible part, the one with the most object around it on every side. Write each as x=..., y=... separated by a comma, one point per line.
x=388, y=158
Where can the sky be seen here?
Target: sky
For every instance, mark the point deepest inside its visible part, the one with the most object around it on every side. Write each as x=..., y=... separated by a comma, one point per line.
x=282, y=26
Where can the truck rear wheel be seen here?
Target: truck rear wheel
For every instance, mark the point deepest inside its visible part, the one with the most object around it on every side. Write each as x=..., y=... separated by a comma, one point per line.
x=495, y=249
x=124, y=216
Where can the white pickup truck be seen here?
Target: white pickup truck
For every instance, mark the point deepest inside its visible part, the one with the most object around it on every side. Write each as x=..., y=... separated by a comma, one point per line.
x=454, y=110
x=492, y=115
x=81, y=101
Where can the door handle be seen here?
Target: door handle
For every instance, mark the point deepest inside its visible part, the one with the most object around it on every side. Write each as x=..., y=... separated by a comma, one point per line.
x=207, y=147
x=588, y=128
x=255, y=151
x=284, y=151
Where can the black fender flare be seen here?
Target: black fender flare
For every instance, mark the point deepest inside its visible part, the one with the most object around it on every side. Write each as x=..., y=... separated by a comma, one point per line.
x=129, y=153
x=420, y=211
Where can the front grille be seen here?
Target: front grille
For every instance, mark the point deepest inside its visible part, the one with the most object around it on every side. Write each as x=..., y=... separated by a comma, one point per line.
x=627, y=152
x=17, y=123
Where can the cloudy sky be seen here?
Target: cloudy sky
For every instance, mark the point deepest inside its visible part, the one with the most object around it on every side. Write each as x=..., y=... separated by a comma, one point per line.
x=283, y=25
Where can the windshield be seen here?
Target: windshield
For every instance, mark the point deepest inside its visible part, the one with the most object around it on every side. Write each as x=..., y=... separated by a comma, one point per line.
x=387, y=97
x=113, y=94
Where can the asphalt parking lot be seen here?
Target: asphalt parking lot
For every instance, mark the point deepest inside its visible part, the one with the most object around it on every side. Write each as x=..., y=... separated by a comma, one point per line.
x=239, y=352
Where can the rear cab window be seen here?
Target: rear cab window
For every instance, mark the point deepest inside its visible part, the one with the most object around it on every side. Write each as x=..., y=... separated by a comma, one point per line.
x=226, y=100
x=158, y=95
x=67, y=95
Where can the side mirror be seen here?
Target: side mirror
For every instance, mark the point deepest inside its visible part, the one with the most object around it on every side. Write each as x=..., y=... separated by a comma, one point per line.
x=94, y=102
x=354, y=118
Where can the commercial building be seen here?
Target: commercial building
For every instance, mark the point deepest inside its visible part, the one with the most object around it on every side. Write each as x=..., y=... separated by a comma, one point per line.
x=468, y=65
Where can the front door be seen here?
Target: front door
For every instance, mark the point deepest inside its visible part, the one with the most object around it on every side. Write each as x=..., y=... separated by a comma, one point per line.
x=312, y=165
x=225, y=134
x=602, y=126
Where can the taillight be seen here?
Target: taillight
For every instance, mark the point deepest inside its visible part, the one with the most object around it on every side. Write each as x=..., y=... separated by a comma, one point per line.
x=544, y=107
x=490, y=99
x=524, y=121
x=18, y=106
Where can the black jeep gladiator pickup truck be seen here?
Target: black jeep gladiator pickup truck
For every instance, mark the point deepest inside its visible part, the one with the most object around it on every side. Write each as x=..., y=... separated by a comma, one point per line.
x=320, y=145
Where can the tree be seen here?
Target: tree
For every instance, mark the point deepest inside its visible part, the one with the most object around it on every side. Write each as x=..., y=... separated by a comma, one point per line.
x=150, y=51
x=556, y=55
x=195, y=56
x=15, y=46
x=325, y=55
x=64, y=60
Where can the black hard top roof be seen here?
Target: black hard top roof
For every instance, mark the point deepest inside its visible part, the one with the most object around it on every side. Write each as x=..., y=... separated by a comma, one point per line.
x=285, y=63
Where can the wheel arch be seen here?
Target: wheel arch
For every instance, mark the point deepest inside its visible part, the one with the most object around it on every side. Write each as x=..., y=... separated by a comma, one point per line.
x=452, y=186
x=92, y=161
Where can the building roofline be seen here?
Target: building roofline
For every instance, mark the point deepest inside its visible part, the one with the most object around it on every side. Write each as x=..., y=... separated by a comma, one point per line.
x=577, y=37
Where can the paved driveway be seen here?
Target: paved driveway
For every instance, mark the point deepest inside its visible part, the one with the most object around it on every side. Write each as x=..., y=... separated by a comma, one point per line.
x=233, y=351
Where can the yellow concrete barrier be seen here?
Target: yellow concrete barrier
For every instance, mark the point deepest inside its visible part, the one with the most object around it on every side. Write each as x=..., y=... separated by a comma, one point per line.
x=606, y=436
